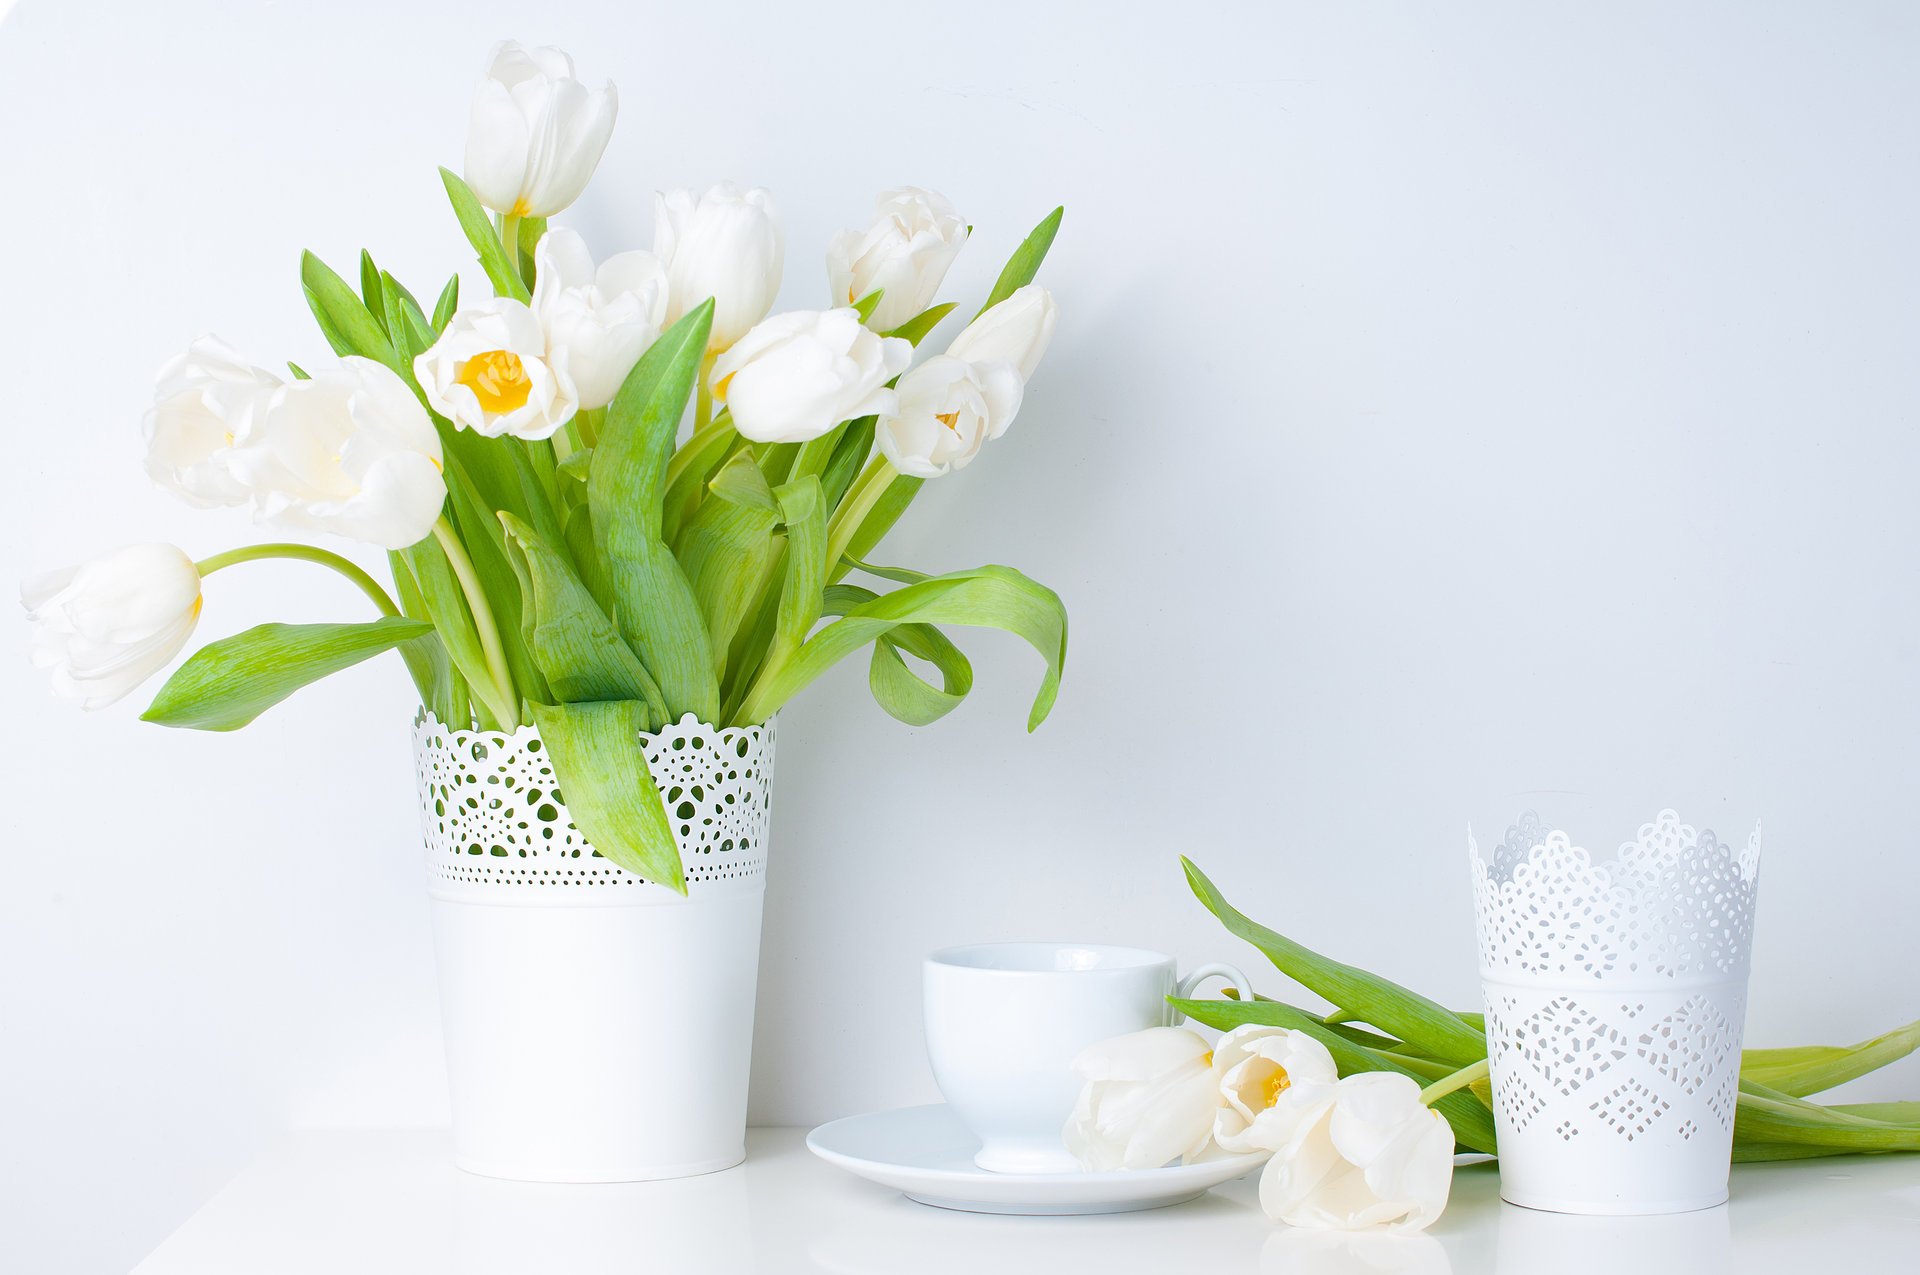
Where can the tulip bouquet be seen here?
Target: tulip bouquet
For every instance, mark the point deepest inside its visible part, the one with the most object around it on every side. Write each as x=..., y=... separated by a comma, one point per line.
x=570, y=546
x=1364, y=1108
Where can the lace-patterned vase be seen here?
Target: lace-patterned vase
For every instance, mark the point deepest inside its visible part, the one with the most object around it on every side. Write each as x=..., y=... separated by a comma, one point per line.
x=598, y=1025
x=1616, y=996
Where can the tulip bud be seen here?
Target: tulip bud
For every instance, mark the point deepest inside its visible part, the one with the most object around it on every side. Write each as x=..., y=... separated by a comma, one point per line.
x=108, y=625
x=536, y=132
x=1017, y=330
x=798, y=375
x=906, y=252
x=205, y=402
x=726, y=245
x=1372, y=1155
x=1149, y=1098
x=351, y=452
x=948, y=409
x=489, y=373
x=597, y=323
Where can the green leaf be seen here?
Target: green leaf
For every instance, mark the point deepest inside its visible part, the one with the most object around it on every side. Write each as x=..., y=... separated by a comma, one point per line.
x=299, y=373
x=728, y=553
x=444, y=308
x=850, y=452
x=740, y=482
x=478, y=228
x=805, y=515
x=903, y=693
x=230, y=682
x=607, y=788
x=1427, y=1026
x=1767, y=1116
x=425, y=656
x=576, y=646
x=349, y=326
x=1811, y=1069
x=866, y=305
x=441, y=595
x=915, y=329
x=1471, y=1121
x=653, y=602
x=987, y=597
x=879, y=521
x=370, y=289
x=1025, y=262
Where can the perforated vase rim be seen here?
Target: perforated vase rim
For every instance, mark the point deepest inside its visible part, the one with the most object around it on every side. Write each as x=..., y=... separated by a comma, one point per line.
x=1672, y=907
x=496, y=827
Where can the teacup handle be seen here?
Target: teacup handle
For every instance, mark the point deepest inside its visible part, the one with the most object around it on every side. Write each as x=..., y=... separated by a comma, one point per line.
x=1231, y=973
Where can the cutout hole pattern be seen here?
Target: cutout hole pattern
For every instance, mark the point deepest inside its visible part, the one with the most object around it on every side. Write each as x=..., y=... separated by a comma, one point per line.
x=491, y=811
x=1581, y=1061
x=1673, y=903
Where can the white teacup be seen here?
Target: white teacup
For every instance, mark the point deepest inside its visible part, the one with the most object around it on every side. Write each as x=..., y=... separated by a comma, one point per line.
x=1006, y=1020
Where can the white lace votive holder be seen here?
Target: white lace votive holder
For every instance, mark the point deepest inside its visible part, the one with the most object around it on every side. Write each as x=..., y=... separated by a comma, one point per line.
x=1616, y=997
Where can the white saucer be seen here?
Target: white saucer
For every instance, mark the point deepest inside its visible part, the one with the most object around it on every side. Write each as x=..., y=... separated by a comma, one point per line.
x=927, y=1153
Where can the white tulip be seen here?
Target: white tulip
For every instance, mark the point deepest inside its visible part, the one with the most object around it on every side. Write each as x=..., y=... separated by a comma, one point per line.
x=726, y=245
x=948, y=409
x=204, y=402
x=597, y=322
x=1017, y=330
x=798, y=375
x=1373, y=1155
x=351, y=452
x=489, y=372
x=107, y=625
x=907, y=250
x=536, y=132
x=1271, y=1079
x=1149, y=1098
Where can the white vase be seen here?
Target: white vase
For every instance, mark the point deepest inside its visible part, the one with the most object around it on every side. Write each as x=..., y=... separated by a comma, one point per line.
x=1616, y=996
x=599, y=1027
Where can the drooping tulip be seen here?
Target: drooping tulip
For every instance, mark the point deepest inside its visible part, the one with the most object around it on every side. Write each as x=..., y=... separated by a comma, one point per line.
x=1148, y=1098
x=799, y=374
x=906, y=250
x=597, y=322
x=107, y=625
x=725, y=244
x=489, y=372
x=205, y=402
x=1018, y=330
x=536, y=132
x=1374, y=1155
x=948, y=409
x=350, y=452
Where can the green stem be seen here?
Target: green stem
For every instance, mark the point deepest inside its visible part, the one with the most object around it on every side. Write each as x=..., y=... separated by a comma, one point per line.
x=510, y=240
x=1458, y=1080
x=483, y=622
x=859, y=503
x=703, y=397
x=302, y=553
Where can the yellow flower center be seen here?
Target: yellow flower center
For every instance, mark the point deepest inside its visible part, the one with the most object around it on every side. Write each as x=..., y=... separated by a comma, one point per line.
x=498, y=379
x=950, y=419
x=1275, y=1085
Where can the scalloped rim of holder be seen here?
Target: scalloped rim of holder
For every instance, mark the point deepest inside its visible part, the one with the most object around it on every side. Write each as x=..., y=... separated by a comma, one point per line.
x=514, y=833
x=1672, y=904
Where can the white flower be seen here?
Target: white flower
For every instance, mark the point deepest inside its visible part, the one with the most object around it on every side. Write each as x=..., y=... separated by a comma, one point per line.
x=351, y=452
x=536, y=132
x=726, y=245
x=489, y=373
x=107, y=625
x=914, y=238
x=204, y=402
x=1372, y=1155
x=1017, y=330
x=1271, y=1079
x=1149, y=1098
x=597, y=323
x=948, y=409
x=798, y=375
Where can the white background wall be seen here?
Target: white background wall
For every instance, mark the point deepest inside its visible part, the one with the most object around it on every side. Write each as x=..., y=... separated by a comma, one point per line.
x=1454, y=409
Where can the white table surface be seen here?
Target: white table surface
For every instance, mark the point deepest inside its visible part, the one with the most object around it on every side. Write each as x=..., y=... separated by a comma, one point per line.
x=379, y=1202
